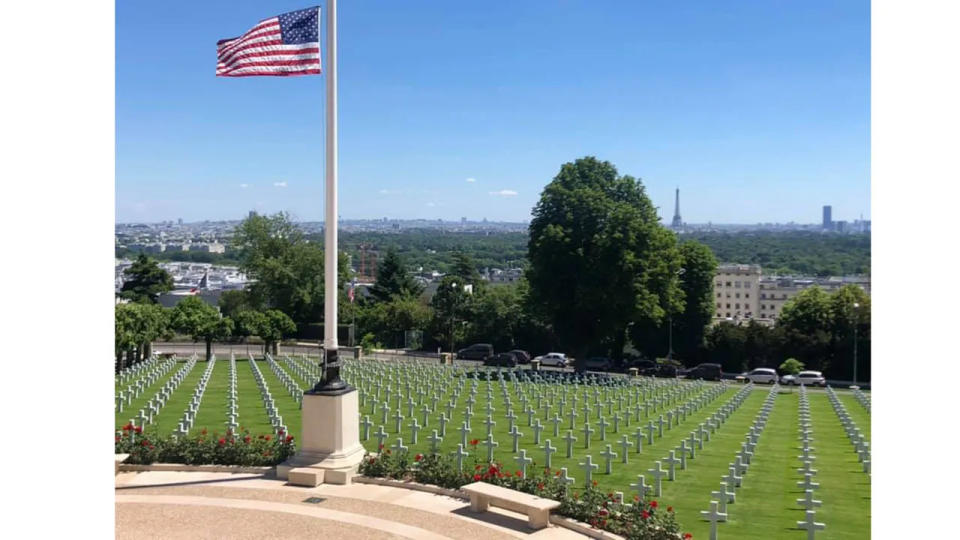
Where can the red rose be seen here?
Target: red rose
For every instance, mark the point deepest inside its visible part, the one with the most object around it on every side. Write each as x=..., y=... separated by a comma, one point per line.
x=151, y=447
x=474, y=442
x=687, y=535
x=266, y=437
x=418, y=457
x=281, y=433
x=602, y=512
x=540, y=486
x=221, y=442
x=246, y=439
x=128, y=427
x=289, y=439
x=138, y=429
x=116, y=439
x=380, y=447
x=558, y=473
x=203, y=431
x=636, y=498
x=373, y=460
x=519, y=473
x=594, y=483
x=669, y=509
x=476, y=478
x=478, y=467
x=144, y=442
x=653, y=504
x=645, y=514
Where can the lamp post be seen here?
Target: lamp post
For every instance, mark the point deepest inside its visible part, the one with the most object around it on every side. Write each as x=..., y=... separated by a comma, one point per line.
x=856, y=320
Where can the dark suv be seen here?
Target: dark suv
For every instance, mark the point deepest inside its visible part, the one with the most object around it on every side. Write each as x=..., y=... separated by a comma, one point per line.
x=709, y=372
x=523, y=357
x=477, y=351
x=502, y=359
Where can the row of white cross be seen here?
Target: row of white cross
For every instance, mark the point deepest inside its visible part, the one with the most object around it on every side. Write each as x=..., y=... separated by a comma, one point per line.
x=862, y=398
x=733, y=480
x=859, y=441
x=807, y=471
x=232, y=398
x=275, y=419
x=134, y=372
x=286, y=380
x=190, y=414
x=143, y=379
x=147, y=414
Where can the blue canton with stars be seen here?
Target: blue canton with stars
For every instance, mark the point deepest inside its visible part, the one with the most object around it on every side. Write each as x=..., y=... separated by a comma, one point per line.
x=300, y=26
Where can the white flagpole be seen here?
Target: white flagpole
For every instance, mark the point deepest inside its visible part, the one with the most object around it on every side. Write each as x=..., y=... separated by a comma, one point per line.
x=332, y=382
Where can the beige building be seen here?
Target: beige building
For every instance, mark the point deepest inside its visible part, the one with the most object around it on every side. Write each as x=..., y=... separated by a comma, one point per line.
x=735, y=290
x=741, y=292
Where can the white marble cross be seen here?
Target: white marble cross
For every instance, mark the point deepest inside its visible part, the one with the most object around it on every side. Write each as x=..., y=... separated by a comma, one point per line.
x=589, y=466
x=713, y=516
x=810, y=524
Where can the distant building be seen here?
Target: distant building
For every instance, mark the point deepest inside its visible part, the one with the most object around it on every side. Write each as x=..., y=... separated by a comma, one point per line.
x=735, y=289
x=828, y=218
x=742, y=293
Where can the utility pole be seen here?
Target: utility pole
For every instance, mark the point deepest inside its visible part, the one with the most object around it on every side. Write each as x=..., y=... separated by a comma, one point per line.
x=856, y=320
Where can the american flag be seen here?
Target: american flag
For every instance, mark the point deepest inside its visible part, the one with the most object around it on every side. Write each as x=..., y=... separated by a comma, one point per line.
x=287, y=44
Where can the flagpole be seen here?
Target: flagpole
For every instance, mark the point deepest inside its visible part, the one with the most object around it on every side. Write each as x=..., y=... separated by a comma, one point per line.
x=332, y=381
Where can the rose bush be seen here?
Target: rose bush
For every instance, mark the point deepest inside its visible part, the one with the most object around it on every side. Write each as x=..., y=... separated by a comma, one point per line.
x=640, y=520
x=146, y=447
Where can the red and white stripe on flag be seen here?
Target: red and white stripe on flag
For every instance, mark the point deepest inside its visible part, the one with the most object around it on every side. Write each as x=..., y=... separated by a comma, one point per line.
x=267, y=50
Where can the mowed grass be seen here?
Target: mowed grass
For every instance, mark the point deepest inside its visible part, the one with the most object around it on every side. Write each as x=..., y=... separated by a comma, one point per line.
x=765, y=506
x=131, y=410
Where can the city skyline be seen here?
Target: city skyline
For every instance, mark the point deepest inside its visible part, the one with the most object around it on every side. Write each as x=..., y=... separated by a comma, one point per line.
x=460, y=110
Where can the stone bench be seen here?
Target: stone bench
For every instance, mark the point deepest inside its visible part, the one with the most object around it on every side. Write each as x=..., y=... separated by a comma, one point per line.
x=117, y=460
x=537, y=509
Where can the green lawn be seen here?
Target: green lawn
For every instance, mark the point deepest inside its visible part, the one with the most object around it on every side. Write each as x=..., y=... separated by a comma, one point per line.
x=765, y=506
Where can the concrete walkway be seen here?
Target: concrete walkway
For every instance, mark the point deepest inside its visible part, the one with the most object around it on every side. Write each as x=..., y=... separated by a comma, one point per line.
x=226, y=505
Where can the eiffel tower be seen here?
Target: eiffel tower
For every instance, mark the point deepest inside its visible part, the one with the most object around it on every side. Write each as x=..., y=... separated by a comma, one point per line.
x=677, y=221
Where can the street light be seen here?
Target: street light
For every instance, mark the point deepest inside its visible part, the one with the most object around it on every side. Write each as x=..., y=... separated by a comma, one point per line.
x=670, y=331
x=856, y=320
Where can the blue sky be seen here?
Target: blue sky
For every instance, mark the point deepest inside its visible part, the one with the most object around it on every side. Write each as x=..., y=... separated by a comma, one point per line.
x=757, y=110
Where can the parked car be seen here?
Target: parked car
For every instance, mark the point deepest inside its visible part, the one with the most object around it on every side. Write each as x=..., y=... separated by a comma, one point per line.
x=477, y=351
x=666, y=371
x=554, y=359
x=523, y=357
x=709, y=372
x=762, y=376
x=501, y=360
x=810, y=378
x=598, y=363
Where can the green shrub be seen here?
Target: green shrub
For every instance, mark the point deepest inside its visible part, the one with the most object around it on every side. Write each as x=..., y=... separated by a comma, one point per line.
x=791, y=366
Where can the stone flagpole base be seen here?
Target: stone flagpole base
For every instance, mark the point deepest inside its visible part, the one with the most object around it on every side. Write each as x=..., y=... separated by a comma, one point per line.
x=330, y=449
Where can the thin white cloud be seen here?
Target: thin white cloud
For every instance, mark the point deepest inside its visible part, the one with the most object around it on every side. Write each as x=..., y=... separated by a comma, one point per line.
x=431, y=204
x=280, y=184
x=471, y=180
x=244, y=186
x=504, y=193
x=388, y=192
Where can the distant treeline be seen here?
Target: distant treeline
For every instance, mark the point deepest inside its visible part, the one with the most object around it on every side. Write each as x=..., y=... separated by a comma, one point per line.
x=790, y=252
x=793, y=252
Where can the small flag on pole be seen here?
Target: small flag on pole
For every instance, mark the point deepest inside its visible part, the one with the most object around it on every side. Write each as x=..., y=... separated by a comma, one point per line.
x=287, y=44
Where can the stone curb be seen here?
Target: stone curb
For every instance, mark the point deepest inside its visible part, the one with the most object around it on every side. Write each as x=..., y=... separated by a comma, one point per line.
x=179, y=467
x=555, y=519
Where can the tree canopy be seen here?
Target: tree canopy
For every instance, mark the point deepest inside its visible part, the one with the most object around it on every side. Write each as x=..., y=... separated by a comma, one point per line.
x=144, y=281
x=599, y=258
x=393, y=279
x=201, y=321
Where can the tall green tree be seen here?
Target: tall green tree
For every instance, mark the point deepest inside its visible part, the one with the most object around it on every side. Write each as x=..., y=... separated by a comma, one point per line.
x=233, y=302
x=144, y=281
x=136, y=327
x=599, y=258
x=388, y=321
x=696, y=282
x=496, y=317
x=849, y=308
x=464, y=268
x=393, y=279
x=806, y=323
x=451, y=312
x=201, y=321
x=287, y=270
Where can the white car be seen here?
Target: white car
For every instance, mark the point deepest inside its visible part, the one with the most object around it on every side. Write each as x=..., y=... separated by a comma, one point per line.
x=553, y=359
x=762, y=376
x=806, y=378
